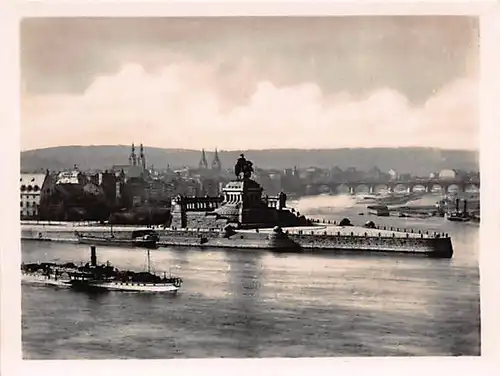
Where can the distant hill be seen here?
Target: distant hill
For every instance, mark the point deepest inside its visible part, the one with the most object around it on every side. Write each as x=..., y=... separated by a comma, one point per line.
x=418, y=161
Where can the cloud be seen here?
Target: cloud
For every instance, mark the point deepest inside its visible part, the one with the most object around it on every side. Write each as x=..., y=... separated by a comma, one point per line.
x=192, y=105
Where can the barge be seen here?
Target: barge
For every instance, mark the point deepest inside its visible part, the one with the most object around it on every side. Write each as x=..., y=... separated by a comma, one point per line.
x=379, y=210
x=142, y=237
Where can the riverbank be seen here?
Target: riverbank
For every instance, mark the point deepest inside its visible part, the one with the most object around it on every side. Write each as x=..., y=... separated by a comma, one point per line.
x=319, y=238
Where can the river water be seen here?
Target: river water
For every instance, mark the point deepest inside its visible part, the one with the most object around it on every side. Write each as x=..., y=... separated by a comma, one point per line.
x=258, y=304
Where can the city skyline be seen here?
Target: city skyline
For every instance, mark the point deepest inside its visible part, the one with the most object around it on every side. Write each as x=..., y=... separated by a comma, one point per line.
x=254, y=83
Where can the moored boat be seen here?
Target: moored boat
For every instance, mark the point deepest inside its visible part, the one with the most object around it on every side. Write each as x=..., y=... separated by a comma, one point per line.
x=144, y=238
x=457, y=215
x=378, y=210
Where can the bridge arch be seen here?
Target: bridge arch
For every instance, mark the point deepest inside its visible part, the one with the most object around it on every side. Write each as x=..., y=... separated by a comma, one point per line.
x=452, y=188
x=380, y=188
x=343, y=189
x=436, y=188
x=324, y=188
x=361, y=188
x=419, y=188
x=471, y=188
x=401, y=187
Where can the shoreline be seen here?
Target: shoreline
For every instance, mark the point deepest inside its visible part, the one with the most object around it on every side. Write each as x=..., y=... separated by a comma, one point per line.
x=312, y=239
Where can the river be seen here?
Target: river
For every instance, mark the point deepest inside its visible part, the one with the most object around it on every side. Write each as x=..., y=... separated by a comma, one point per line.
x=258, y=304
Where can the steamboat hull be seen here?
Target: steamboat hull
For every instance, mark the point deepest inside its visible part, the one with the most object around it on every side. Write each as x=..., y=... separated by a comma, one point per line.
x=44, y=280
x=147, y=287
x=458, y=219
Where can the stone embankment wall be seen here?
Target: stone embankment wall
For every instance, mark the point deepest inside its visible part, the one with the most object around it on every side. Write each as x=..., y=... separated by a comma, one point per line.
x=438, y=247
x=431, y=246
x=375, y=243
x=67, y=231
x=353, y=241
x=215, y=238
x=33, y=233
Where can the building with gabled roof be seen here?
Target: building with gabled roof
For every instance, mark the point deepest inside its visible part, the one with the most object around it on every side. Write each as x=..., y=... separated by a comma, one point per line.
x=31, y=187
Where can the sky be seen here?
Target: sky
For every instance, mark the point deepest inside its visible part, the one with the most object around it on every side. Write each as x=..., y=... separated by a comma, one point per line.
x=251, y=82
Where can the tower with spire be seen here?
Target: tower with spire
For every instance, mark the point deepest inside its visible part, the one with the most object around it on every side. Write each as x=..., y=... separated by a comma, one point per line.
x=142, y=158
x=216, y=164
x=203, y=161
x=132, y=159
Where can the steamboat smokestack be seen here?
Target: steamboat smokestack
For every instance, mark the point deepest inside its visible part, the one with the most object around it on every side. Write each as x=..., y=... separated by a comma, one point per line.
x=93, y=256
x=465, y=206
x=457, y=204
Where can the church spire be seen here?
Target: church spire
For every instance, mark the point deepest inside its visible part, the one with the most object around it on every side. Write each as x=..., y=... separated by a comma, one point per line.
x=142, y=158
x=132, y=159
x=203, y=161
x=216, y=164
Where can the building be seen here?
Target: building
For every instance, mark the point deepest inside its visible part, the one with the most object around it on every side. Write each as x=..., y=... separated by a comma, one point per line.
x=74, y=177
x=351, y=174
x=203, y=169
x=210, y=186
x=461, y=174
x=405, y=177
x=74, y=196
x=290, y=180
x=136, y=167
x=65, y=201
x=159, y=192
x=375, y=174
x=109, y=182
x=335, y=173
x=130, y=181
x=31, y=187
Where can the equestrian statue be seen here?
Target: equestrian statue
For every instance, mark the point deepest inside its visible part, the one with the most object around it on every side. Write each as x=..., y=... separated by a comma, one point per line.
x=243, y=168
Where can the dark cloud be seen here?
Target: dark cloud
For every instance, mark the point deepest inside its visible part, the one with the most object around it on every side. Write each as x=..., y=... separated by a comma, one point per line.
x=414, y=55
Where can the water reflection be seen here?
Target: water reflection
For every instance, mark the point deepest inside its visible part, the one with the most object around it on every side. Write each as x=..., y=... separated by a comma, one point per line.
x=258, y=304
x=178, y=257
x=245, y=270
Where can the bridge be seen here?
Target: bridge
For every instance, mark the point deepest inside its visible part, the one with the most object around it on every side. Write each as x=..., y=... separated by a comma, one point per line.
x=409, y=186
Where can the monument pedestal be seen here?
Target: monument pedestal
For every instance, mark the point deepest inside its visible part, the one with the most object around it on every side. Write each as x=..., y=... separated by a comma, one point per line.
x=241, y=204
